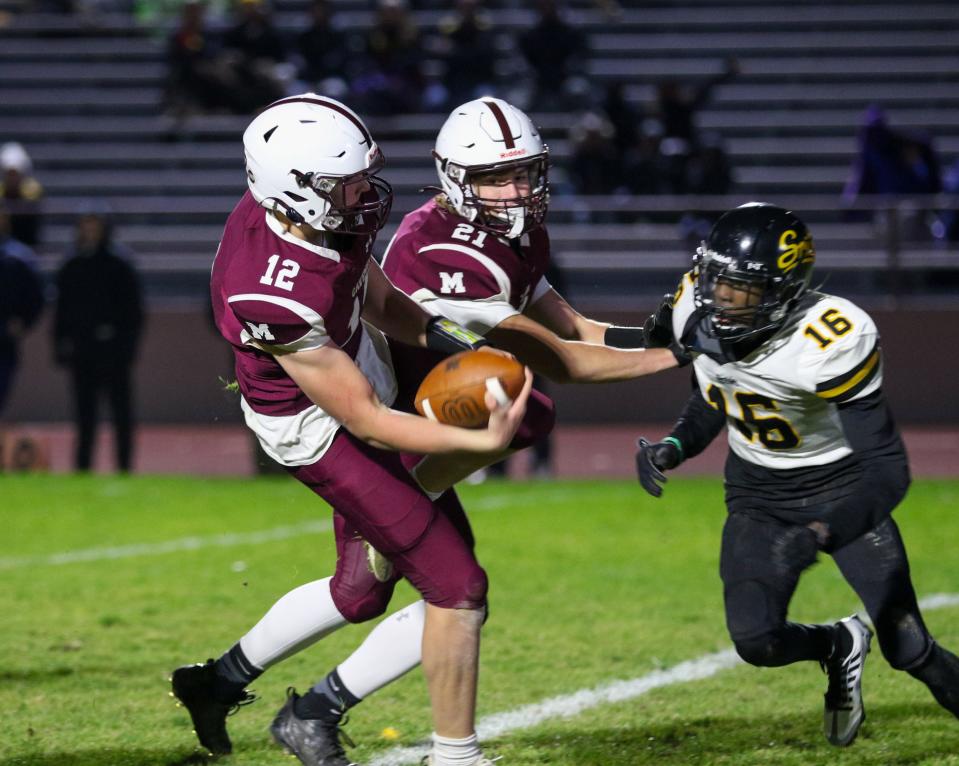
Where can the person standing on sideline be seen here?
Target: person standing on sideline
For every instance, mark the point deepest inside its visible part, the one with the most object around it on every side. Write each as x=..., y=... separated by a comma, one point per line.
x=21, y=301
x=96, y=331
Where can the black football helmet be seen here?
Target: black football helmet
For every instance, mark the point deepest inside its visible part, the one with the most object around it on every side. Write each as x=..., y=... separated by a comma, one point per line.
x=763, y=250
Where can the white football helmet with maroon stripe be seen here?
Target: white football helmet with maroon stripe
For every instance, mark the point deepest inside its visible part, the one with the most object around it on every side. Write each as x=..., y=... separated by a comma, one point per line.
x=486, y=136
x=309, y=157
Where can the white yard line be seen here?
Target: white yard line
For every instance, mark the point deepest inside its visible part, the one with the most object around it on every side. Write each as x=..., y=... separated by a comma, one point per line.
x=569, y=705
x=169, y=546
x=226, y=540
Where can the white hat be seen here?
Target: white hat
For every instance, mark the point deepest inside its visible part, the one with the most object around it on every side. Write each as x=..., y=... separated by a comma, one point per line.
x=14, y=157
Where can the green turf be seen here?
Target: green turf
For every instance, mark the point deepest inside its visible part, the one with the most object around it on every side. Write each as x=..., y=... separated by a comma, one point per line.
x=591, y=582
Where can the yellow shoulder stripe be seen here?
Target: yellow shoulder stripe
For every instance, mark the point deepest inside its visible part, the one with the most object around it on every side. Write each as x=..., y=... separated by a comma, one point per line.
x=864, y=371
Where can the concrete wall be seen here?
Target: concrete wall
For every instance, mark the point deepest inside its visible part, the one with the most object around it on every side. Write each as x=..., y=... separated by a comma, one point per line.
x=182, y=360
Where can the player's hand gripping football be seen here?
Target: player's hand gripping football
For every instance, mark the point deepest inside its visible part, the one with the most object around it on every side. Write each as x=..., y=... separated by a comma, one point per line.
x=505, y=419
x=652, y=460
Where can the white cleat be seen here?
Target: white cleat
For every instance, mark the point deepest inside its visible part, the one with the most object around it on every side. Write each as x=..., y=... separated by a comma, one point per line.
x=843, y=712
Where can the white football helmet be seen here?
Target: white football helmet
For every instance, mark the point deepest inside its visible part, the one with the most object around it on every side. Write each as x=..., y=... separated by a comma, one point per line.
x=488, y=135
x=303, y=155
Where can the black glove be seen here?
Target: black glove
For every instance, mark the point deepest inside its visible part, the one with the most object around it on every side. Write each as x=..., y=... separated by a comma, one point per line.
x=658, y=331
x=658, y=328
x=652, y=460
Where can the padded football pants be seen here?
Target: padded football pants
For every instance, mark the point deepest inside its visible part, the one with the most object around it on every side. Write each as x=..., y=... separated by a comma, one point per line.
x=760, y=566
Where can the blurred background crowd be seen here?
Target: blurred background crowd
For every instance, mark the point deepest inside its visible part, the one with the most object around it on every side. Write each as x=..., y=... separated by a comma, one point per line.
x=120, y=124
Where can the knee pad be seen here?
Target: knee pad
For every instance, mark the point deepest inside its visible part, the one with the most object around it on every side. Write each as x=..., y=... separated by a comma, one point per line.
x=467, y=591
x=357, y=592
x=761, y=651
x=748, y=612
x=904, y=640
x=359, y=602
x=537, y=423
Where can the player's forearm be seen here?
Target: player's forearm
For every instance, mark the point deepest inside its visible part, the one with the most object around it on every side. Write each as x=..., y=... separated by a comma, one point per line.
x=592, y=363
x=391, y=429
x=574, y=361
x=400, y=317
x=589, y=330
x=698, y=424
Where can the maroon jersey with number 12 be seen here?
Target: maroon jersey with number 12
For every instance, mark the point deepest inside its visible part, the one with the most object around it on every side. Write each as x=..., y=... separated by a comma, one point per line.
x=273, y=293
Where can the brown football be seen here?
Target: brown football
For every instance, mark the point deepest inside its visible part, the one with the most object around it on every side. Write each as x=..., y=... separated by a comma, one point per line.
x=454, y=391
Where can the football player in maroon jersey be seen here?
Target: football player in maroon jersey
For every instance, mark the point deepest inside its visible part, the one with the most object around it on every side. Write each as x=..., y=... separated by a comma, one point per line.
x=298, y=296
x=477, y=253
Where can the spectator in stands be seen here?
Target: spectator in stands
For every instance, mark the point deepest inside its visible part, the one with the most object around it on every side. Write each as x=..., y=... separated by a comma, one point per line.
x=21, y=300
x=594, y=167
x=948, y=227
x=199, y=77
x=392, y=77
x=894, y=163
x=555, y=50
x=677, y=105
x=259, y=52
x=644, y=169
x=21, y=192
x=624, y=117
x=466, y=45
x=97, y=328
x=326, y=58
x=237, y=74
x=708, y=172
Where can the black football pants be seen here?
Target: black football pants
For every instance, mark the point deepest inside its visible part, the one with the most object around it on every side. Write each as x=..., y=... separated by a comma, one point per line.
x=760, y=565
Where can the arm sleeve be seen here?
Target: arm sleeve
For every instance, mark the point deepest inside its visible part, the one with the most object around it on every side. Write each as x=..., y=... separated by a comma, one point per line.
x=869, y=428
x=698, y=423
x=278, y=325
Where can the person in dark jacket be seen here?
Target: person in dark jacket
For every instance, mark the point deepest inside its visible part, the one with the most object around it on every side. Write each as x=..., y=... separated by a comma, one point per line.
x=99, y=317
x=21, y=301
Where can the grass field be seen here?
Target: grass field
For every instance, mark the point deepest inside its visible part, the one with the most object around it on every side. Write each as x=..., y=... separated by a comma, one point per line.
x=591, y=583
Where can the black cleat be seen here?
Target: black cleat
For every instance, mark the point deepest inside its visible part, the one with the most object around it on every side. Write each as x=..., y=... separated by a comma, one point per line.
x=193, y=685
x=315, y=742
x=843, y=711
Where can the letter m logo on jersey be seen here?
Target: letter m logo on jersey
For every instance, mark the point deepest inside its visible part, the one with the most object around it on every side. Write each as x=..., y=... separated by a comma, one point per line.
x=452, y=283
x=260, y=331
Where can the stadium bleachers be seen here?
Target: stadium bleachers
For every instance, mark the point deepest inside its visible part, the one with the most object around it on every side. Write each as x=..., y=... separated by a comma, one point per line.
x=85, y=98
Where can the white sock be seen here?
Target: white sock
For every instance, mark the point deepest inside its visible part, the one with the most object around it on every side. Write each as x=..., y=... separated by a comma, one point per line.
x=455, y=752
x=300, y=618
x=434, y=496
x=393, y=648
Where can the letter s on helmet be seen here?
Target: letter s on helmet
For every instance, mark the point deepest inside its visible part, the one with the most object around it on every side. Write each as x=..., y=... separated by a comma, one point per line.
x=489, y=135
x=307, y=156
